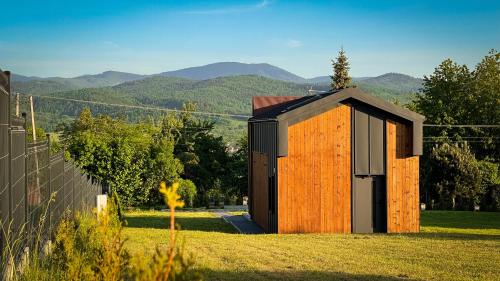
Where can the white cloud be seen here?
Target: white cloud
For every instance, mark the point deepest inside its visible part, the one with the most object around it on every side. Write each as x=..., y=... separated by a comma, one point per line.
x=292, y=43
x=110, y=44
x=231, y=9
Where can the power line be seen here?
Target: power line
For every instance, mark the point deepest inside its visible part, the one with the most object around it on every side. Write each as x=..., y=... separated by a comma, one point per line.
x=462, y=126
x=232, y=115
x=146, y=107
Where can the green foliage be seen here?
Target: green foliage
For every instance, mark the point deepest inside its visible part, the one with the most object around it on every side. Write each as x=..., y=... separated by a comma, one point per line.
x=340, y=78
x=224, y=94
x=454, y=177
x=237, y=180
x=454, y=95
x=155, y=268
x=187, y=191
x=91, y=247
x=214, y=195
x=132, y=159
x=123, y=156
x=490, y=176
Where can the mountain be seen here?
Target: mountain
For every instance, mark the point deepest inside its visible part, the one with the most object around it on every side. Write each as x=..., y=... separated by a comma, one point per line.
x=37, y=85
x=21, y=78
x=223, y=69
x=108, y=78
x=220, y=95
x=395, y=81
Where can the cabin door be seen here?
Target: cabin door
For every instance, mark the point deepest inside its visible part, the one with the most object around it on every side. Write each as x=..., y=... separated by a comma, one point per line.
x=362, y=208
x=369, y=204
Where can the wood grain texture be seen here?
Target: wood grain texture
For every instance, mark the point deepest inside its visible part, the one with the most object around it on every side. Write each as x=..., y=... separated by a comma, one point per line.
x=403, y=214
x=314, y=180
x=260, y=185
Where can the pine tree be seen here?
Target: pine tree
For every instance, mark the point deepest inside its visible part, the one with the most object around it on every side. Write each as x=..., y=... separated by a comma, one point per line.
x=340, y=78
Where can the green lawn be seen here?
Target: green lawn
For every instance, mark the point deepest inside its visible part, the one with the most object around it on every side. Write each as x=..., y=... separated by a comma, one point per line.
x=451, y=246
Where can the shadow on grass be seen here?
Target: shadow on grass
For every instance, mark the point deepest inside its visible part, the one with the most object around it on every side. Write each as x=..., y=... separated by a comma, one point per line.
x=210, y=274
x=208, y=224
x=450, y=236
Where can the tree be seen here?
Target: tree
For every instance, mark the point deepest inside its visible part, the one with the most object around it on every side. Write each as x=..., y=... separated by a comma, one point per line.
x=454, y=95
x=340, y=78
x=485, y=105
x=454, y=177
x=132, y=159
x=237, y=182
x=187, y=191
x=490, y=179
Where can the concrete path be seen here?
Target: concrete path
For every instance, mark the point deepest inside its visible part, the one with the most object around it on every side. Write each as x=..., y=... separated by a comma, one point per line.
x=242, y=223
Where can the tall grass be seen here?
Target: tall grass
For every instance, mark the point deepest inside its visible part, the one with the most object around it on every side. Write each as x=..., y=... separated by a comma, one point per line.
x=90, y=246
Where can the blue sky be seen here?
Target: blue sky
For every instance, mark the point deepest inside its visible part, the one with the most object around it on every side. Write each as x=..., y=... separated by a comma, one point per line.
x=70, y=38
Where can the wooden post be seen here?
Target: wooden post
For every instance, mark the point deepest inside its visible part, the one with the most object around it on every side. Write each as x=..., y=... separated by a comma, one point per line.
x=17, y=105
x=35, y=197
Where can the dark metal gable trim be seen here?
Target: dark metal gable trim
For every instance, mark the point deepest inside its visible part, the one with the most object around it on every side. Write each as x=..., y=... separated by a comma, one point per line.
x=329, y=102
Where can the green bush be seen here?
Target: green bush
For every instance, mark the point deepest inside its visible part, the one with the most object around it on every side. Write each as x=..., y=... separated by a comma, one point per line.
x=490, y=180
x=187, y=191
x=90, y=247
x=454, y=177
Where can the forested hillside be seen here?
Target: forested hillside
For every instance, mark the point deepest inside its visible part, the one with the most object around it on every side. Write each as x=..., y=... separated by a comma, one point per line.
x=230, y=94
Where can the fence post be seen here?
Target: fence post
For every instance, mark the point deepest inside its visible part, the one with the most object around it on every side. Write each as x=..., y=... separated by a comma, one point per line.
x=49, y=185
x=73, y=188
x=10, y=220
x=26, y=198
x=62, y=197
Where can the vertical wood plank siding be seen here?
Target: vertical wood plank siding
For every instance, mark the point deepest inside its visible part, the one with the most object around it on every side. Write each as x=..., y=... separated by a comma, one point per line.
x=260, y=192
x=314, y=180
x=403, y=213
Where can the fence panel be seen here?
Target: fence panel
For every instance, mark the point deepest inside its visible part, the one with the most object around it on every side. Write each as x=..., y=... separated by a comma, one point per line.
x=38, y=174
x=57, y=186
x=68, y=186
x=4, y=154
x=36, y=188
x=17, y=180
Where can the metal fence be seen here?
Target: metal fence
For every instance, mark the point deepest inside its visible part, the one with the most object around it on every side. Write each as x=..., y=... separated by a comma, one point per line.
x=37, y=187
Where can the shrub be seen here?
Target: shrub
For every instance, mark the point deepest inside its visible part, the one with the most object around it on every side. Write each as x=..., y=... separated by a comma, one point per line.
x=454, y=176
x=490, y=180
x=187, y=191
x=90, y=247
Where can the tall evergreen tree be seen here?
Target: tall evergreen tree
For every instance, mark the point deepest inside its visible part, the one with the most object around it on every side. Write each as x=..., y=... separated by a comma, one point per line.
x=340, y=78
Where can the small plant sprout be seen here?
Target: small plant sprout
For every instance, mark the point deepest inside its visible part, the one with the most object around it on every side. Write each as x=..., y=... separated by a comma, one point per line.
x=172, y=199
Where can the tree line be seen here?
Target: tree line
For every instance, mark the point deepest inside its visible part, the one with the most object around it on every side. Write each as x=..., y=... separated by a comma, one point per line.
x=460, y=164
x=133, y=158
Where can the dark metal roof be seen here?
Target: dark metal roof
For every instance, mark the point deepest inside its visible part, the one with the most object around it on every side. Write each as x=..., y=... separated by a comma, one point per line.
x=261, y=104
x=329, y=100
x=291, y=112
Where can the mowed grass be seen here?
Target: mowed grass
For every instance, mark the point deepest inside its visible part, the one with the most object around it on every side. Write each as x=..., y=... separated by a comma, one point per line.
x=451, y=246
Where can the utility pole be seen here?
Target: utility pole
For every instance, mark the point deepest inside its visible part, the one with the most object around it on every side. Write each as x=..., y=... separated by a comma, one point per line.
x=35, y=197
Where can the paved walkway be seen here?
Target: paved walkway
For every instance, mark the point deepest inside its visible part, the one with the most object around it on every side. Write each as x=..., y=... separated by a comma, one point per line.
x=242, y=223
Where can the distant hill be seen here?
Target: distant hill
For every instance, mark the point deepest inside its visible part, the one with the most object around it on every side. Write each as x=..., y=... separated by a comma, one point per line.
x=223, y=69
x=395, y=81
x=37, y=85
x=21, y=78
x=215, y=88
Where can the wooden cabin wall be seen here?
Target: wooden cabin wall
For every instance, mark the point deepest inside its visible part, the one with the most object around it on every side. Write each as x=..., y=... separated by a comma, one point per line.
x=314, y=180
x=260, y=186
x=403, y=214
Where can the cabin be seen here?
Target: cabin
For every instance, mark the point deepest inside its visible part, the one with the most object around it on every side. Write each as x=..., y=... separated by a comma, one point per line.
x=336, y=162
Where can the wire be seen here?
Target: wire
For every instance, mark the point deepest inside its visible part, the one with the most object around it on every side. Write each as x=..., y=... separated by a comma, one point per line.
x=234, y=115
x=462, y=126
x=147, y=107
